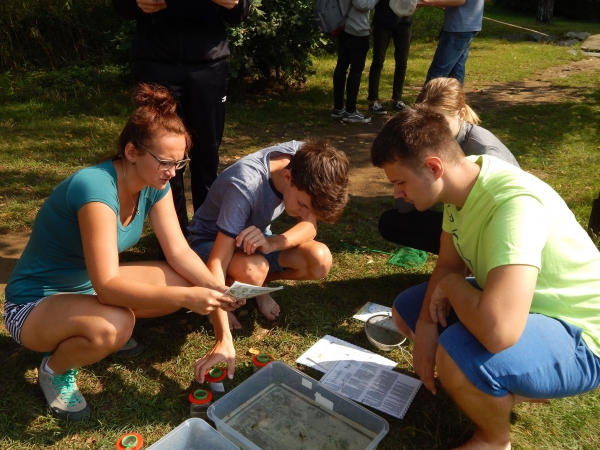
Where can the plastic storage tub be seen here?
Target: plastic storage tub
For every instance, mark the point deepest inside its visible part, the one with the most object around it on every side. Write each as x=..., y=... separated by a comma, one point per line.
x=193, y=434
x=280, y=407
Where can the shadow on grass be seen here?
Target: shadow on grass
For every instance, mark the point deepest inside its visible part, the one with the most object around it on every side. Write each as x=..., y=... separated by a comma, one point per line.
x=118, y=397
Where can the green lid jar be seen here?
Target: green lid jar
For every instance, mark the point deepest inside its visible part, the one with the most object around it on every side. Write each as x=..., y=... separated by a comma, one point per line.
x=261, y=360
x=200, y=400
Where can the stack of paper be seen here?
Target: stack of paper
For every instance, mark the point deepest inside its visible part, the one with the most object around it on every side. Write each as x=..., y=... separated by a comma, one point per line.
x=361, y=375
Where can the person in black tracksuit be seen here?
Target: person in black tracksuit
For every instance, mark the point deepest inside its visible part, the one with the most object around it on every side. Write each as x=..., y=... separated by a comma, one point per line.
x=183, y=45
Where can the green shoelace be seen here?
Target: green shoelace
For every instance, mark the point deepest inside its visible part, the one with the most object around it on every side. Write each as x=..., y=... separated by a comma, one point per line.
x=65, y=386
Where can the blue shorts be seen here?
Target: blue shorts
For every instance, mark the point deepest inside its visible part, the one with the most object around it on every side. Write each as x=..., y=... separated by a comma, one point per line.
x=15, y=315
x=203, y=249
x=550, y=359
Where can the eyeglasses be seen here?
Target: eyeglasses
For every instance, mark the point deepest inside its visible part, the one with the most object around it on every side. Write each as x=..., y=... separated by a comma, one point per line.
x=167, y=164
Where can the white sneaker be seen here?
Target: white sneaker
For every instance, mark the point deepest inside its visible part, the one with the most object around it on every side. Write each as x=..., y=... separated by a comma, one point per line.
x=355, y=117
x=398, y=105
x=62, y=394
x=377, y=109
x=338, y=113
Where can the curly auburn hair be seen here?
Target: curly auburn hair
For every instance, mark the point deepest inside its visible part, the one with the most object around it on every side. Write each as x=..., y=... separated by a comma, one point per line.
x=155, y=116
x=321, y=171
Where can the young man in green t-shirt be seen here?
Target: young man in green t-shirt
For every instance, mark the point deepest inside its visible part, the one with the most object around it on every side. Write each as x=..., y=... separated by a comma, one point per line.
x=526, y=326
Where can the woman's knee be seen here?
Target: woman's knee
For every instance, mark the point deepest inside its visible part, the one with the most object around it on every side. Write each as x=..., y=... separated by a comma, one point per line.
x=113, y=328
x=388, y=225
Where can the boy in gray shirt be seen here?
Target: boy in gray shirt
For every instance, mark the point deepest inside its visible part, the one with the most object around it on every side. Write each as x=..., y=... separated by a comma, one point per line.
x=231, y=230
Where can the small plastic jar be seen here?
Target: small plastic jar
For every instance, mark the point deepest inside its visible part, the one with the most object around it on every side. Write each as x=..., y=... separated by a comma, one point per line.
x=199, y=403
x=130, y=441
x=261, y=360
x=215, y=378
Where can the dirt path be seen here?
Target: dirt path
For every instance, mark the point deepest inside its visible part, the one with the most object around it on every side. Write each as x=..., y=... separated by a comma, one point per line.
x=355, y=139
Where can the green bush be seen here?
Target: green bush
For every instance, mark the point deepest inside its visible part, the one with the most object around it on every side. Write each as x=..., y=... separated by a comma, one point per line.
x=53, y=33
x=275, y=42
x=570, y=9
x=427, y=24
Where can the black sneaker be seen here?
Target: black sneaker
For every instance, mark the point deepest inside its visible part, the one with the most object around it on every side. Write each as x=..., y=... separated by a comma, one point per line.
x=130, y=349
x=398, y=105
x=62, y=394
x=338, y=113
x=355, y=117
x=377, y=109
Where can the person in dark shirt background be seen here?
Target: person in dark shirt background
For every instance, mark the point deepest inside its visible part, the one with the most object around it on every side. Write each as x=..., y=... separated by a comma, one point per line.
x=183, y=46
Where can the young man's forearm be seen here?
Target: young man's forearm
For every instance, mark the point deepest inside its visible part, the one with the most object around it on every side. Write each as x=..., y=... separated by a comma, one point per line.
x=497, y=315
x=299, y=234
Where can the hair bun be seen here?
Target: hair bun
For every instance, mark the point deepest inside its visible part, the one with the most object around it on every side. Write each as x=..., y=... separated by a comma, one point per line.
x=155, y=97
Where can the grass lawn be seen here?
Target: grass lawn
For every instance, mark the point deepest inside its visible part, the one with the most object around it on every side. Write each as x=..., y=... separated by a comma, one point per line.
x=52, y=125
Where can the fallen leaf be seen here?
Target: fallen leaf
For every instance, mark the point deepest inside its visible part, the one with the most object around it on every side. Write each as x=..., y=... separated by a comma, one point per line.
x=261, y=334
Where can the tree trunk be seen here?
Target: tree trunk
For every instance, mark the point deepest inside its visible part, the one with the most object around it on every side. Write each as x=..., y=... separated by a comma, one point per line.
x=545, y=12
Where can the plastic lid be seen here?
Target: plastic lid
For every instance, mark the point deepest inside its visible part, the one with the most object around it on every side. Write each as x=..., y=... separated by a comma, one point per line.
x=215, y=374
x=262, y=359
x=200, y=396
x=130, y=441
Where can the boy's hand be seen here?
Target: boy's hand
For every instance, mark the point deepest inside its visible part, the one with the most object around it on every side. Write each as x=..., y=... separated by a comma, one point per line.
x=229, y=4
x=424, y=349
x=252, y=239
x=439, y=306
x=151, y=6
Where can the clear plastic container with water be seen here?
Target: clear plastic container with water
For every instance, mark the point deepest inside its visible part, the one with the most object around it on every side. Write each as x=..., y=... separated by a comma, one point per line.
x=280, y=407
x=193, y=434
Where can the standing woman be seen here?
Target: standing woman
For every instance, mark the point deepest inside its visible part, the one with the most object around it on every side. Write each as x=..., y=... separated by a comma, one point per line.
x=422, y=229
x=69, y=295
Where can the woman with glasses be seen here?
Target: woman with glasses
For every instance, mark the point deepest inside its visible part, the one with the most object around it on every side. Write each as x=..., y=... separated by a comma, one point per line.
x=69, y=295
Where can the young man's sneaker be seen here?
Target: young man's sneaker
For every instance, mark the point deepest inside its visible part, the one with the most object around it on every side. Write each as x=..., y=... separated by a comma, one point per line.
x=130, y=349
x=62, y=394
x=377, y=109
x=338, y=113
x=398, y=105
x=355, y=117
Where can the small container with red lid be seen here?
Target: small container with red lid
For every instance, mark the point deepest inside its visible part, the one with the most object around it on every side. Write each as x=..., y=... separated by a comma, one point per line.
x=261, y=360
x=130, y=441
x=216, y=378
x=199, y=403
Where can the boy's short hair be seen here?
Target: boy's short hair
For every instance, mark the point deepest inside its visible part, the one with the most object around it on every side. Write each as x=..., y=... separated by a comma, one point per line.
x=412, y=135
x=321, y=171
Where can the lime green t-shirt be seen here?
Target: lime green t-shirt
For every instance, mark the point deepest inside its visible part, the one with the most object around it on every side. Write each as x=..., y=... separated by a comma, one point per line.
x=512, y=217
